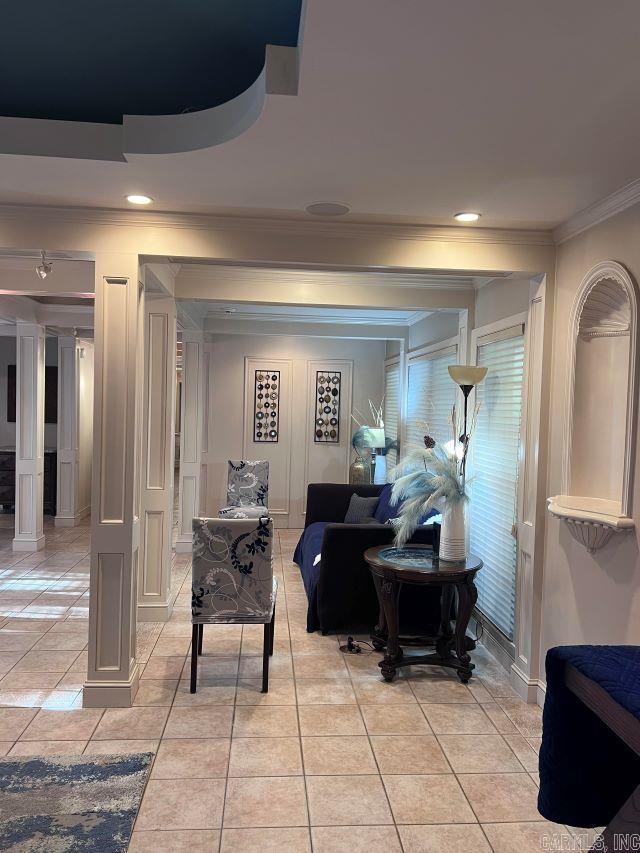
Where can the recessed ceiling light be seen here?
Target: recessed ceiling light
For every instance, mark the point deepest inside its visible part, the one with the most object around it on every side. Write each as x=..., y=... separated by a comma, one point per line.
x=466, y=217
x=139, y=199
x=328, y=208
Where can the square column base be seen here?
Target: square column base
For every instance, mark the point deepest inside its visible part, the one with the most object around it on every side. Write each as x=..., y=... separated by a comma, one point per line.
x=29, y=545
x=155, y=612
x=111, y=694
x=71, y=520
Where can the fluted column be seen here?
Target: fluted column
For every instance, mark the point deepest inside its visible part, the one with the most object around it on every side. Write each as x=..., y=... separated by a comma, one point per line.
x=29, y=534
x=112, y=677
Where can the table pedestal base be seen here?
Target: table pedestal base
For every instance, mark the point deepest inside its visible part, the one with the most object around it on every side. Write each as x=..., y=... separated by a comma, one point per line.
x=452, y=646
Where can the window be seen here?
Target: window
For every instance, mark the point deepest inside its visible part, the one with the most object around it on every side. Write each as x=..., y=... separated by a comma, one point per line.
x=495, y=459
x=391, y=407
x=430, y=396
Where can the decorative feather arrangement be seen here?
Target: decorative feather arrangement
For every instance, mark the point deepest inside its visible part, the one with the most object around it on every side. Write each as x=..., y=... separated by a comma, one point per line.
x=429, y=477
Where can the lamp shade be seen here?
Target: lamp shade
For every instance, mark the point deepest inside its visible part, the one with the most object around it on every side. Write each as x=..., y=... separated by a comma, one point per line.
x=467, y=374
x=376, y=437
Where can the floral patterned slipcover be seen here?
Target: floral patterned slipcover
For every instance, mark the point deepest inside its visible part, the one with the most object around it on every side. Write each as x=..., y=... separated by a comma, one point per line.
x=232, y=570
x=247, y=489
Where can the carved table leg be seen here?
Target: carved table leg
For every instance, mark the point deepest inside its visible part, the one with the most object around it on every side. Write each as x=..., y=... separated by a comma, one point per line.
x=379, y=633
x=467, y=597
x=445, y=640
x=388, y=593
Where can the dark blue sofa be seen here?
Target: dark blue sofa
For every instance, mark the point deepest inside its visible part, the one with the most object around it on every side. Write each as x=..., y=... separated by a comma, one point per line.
x=339, y=588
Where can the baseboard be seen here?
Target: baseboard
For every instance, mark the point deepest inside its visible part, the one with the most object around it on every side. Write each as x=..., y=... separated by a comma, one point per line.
x=542, y=693
x=29, y=545
x=111, y=694
x=155, y=612
x=183, y=547
x=525, y=687
x=499, y=652
x=72, y=520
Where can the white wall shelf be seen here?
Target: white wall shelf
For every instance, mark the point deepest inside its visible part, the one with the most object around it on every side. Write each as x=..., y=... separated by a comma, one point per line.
x=600, y=408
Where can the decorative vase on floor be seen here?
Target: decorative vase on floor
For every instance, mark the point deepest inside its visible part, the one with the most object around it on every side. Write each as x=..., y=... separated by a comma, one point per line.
x=453, y=534
x=361, y=472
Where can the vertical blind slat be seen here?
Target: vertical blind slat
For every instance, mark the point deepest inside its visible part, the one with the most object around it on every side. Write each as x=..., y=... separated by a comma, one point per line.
x=391, y=408
x=493, y=470
x=430, y=397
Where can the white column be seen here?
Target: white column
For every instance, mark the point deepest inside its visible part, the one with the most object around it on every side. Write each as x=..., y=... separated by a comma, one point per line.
x=29, y=437
x=68, y=450
x=190, y=436
x=112, y=677
x=157, y=463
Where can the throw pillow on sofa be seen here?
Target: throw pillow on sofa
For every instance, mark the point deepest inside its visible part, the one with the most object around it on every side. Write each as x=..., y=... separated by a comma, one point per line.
x=360, y=509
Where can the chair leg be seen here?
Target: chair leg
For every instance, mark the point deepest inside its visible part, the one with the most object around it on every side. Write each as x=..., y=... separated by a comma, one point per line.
x=200, y=635
x=272, y=631
x=195, y=635
x=265, y=658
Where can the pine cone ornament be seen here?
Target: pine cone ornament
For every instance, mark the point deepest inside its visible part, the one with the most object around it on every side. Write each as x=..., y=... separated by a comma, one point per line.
x=429, y=442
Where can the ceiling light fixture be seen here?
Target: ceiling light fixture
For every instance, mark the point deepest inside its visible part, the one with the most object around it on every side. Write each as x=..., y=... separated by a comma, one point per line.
x=139, y=199
x=328, y=208
x=466, y=217
x=44, y=268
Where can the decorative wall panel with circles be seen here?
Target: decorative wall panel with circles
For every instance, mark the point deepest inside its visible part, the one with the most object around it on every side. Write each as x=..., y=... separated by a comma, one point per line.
x=266, y=411
x=326, y=415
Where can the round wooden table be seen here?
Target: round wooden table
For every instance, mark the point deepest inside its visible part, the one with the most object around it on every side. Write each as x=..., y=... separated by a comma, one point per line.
x=417, y=564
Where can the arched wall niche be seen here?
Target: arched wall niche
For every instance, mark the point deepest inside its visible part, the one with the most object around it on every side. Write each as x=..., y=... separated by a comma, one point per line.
x=600, y=419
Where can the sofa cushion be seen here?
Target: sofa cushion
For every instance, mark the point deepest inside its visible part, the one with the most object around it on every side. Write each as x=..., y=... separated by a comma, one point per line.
x=384, y=510
x=360, y=509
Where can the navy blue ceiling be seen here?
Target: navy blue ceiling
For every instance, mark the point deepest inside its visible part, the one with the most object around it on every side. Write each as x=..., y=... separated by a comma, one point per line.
x=95, y=61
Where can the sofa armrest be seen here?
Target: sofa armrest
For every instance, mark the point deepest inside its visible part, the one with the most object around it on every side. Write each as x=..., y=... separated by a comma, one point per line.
x=427, y=534
x=330, y=501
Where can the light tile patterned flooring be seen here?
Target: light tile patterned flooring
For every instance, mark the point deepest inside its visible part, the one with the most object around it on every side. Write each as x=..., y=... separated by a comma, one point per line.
x=331, y=759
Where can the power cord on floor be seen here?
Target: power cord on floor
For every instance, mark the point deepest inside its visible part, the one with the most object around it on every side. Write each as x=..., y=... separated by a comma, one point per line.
x=353, y=647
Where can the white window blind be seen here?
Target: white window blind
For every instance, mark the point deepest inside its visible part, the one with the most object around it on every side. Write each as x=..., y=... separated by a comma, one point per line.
x=495, y=455
x=391, y=408
x=431, y=394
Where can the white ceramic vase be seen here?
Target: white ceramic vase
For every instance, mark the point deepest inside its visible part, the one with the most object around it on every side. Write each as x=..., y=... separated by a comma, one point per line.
x=453, y=533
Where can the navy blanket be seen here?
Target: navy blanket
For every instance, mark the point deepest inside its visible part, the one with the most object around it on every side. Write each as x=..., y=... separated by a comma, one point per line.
x=586, y=771
x=307, y=549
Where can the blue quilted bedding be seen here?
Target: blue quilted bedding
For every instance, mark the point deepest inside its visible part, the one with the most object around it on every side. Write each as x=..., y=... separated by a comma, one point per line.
x=586, y=771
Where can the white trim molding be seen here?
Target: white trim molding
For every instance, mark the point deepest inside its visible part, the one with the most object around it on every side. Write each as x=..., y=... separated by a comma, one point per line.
x=599, y=211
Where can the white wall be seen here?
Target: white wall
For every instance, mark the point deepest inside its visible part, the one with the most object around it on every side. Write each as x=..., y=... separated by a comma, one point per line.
x=436, y=327
x=501, y=298
x=227, y=401
x=85, y=427
x=588, y=598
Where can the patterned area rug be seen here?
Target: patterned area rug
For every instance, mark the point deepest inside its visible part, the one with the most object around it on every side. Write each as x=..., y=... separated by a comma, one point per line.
x=71, y=803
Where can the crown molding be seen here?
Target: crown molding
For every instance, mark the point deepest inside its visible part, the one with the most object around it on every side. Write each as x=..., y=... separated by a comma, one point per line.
x=597, y=212
x=283, y=226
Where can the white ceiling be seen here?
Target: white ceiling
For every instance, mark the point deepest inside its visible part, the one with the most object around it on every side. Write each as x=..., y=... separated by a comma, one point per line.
x=525, y=111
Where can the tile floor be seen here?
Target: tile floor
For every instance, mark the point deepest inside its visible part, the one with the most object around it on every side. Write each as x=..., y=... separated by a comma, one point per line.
x=331, y=759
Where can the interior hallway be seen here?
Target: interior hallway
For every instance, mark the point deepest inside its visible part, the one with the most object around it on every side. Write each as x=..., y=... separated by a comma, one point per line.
x=329, y=751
